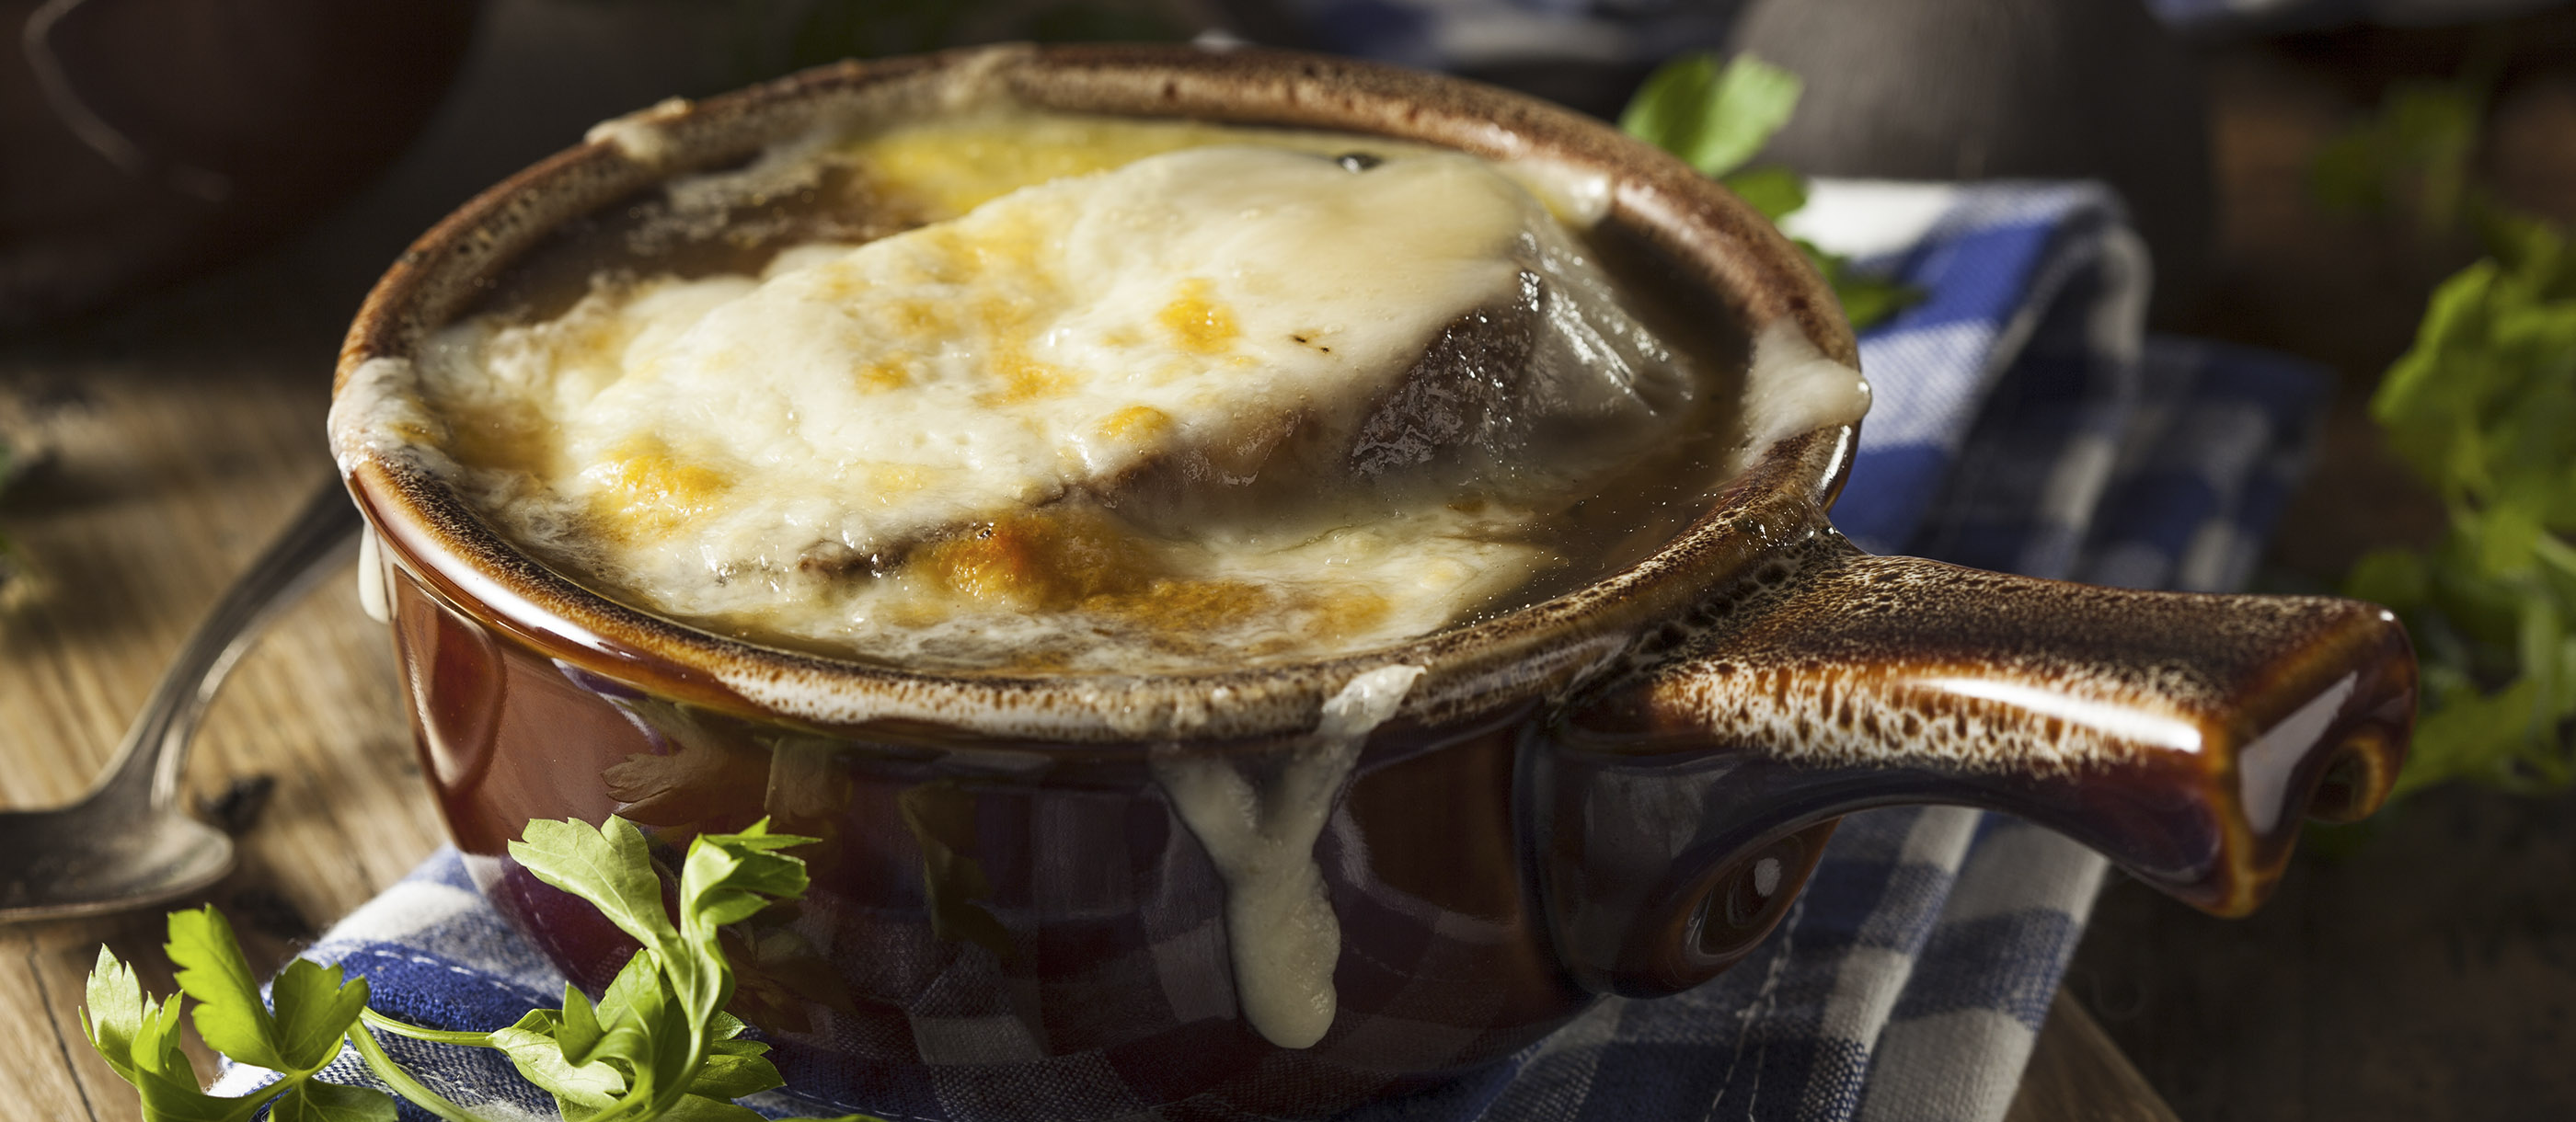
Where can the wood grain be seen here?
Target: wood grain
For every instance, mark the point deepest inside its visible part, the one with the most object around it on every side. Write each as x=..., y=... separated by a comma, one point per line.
x=174, y=441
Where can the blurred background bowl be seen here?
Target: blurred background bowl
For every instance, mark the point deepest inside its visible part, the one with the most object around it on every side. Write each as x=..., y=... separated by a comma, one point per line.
x=143, y=141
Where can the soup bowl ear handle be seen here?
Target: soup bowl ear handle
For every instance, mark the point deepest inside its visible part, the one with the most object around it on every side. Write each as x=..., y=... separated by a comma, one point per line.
x=2182, y=735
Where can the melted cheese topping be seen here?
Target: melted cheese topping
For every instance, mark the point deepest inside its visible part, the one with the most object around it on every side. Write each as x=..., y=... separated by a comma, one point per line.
x=1104, y=420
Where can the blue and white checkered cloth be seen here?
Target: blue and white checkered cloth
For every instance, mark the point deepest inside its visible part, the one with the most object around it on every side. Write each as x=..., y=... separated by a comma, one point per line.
x=2021, y=422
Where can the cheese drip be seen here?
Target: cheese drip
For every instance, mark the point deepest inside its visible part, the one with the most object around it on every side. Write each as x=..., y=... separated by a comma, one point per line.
x=1260, y=832
x=1221, y=403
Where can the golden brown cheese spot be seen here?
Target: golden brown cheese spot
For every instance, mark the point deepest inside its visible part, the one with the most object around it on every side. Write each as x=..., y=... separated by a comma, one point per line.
x=1194, y=607
x=1345, y=613
x=1136, y=422
x=945, y=260
x=1008, y=246
x=951, y=167
x=1004, y=315
x=890, y=373
x=1023, y=379
x=643, y=486
x=922, y=318
x=1078, y=559
x=1323, y=617
x=1197, y=322
x=838, y=287
x=1037, y=561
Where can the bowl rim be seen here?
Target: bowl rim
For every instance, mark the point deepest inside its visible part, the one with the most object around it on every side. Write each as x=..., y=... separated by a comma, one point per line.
x=1516, y=659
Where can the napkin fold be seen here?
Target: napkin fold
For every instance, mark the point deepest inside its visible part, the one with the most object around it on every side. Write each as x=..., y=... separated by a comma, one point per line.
x=2022, y=421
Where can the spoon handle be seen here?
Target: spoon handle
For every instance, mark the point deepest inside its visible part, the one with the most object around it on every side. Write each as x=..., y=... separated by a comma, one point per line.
x=148, y=764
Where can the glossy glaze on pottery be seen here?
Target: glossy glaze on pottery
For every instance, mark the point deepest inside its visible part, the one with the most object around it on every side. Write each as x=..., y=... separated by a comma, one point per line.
x=2184, y=736
x=1616, y=790
x=1007, y=905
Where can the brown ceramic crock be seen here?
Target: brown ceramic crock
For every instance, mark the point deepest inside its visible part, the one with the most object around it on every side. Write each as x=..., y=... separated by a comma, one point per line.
x=1614, y=791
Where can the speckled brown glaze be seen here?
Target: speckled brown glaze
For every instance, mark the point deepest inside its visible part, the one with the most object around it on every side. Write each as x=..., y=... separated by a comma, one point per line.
x=2184, y=736
x=1838, y=658
x=1572, y=800
x=1703, y=229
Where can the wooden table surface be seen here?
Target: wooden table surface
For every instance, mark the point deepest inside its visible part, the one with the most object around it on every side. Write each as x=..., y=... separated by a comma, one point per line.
x=175, y=447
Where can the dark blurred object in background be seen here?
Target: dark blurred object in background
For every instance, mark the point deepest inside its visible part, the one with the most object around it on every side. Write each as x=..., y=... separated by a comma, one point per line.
x=1894, y=89
x=142, y=141
x=2250, y=17
x=2002, y=89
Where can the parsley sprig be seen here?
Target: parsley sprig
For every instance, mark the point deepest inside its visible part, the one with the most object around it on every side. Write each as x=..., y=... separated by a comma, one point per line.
x=657, y=1044
x=2483, y=408
x=1716, y=115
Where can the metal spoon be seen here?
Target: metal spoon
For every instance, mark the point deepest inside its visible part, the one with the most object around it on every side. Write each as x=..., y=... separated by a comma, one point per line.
x=127, y=843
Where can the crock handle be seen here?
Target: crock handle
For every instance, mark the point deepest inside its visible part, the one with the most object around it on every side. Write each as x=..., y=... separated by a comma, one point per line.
x=2182, y=735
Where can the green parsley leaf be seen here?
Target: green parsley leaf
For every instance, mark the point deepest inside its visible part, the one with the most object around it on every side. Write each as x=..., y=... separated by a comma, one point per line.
x=315, y=1101
x=2483, y=408
x=1713, y=115
x=574, y=1076
x=212, y=970
x=2389, y=576
x=139, y=1039
x=112, y=1016
x=1865, y=299
x=2415, y=155
x=175, y=1100
x=403, y=1082
x=2480, y=408
x=657, y=1044
x=731, y=877
x=731, y=1075
x=607, y=866
x=576, y=1030
x=314, y=1012
x=1775, y=191
x=1868, y=300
